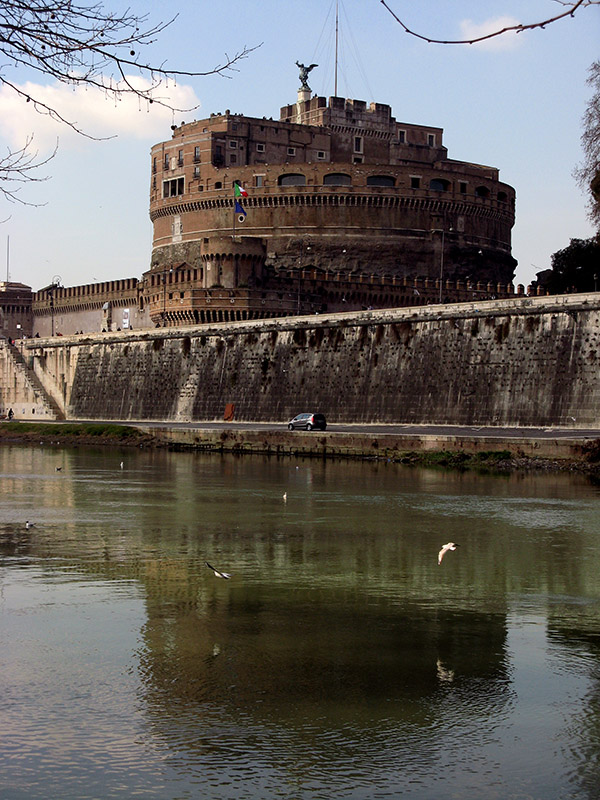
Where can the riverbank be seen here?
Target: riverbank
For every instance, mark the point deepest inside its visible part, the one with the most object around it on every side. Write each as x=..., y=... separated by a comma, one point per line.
x=463, y=452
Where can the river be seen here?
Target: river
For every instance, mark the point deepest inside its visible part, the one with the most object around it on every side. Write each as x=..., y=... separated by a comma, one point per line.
x=338, y=661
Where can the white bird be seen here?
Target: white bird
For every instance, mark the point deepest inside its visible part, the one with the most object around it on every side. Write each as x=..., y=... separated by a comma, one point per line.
x=218, y=572
x=285, y=497
x=29, y=525
x=121, y=465
x=444, y=550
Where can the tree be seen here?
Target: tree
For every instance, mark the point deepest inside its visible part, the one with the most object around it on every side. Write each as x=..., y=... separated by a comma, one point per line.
x=569, y=10
x=576, y=268
x=588, y=173
x=80, y=45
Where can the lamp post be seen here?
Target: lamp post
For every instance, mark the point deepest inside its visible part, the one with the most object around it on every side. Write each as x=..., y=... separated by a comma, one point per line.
x=443, y=232
x=164, y=277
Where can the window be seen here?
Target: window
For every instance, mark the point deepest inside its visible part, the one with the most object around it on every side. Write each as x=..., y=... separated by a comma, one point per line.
x=166, y=162
x=232, y=144
x=502, y=197
x=337, y=179
x=180, y=158
x=197, y=153
x=292, y=179
x=439, y=185
x=260, y=148
x=320, y=154
x=401, y=137
x=380, y=180
x=291, y=151
x=173, y=187
x=431, y=139
x=482, y=191
x=196, y=172
x=259, y=180
x=218, y=185
x=462, y=187
x=357, y=160
x=233, y=158
x=358, y=144
x=415, y=182
x=154, y=164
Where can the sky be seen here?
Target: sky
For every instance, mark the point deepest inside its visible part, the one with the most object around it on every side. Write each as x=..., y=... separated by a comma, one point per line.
x=515, y=103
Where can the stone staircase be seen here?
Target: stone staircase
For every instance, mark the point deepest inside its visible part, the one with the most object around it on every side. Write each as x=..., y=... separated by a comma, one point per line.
x=21, y=389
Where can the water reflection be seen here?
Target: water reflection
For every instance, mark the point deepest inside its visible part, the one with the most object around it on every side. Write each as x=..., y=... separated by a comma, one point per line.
x=339, y=661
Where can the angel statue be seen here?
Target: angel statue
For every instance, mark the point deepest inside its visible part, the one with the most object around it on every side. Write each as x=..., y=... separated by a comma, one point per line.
x=304, y=75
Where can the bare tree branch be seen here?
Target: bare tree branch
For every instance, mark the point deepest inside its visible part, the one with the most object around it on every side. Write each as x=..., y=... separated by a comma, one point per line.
x=587, y=173
x=18, y=167
x=87, y=46
x=570, y=9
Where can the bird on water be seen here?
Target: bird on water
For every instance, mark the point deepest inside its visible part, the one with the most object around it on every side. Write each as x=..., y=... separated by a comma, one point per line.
x=444, y=550
x=218, y=572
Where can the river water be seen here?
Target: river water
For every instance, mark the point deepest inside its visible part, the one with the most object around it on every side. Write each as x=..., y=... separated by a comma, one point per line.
x=339, y=661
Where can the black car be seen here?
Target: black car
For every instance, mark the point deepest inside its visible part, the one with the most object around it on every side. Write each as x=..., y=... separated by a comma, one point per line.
x=308, y=422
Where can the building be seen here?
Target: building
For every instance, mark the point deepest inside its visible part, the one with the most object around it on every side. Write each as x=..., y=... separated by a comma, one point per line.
x=340, y=195
x=346, y=209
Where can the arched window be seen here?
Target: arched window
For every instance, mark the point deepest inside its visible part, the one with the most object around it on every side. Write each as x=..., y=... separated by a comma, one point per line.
x=337, y=179
x=380, y=180
x=439, y=185
x=292, y=179
x=482, y=191
x=502, y=197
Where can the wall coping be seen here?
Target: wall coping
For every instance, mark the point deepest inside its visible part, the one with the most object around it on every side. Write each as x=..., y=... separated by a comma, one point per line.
x=519, y=306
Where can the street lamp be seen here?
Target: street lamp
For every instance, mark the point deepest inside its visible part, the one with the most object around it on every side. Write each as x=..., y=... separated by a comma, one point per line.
x=164, y=277
x=443, y=232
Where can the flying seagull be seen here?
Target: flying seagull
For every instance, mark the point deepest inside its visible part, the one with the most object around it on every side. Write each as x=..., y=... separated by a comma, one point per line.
x=217, y=572
x=444, y=550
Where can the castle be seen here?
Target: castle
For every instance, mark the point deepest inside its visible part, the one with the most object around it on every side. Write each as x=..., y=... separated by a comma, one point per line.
x=335, y=206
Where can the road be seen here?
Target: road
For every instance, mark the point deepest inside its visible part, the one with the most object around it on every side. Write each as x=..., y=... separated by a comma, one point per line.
x=399, y=430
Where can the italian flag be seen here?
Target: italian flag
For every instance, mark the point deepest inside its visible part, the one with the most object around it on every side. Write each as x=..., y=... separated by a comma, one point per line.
x=239, y=190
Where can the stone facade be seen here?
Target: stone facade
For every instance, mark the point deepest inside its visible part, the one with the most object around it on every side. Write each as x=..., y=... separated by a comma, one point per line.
x=465, y=363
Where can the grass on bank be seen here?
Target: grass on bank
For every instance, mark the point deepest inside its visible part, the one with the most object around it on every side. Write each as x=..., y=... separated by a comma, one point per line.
x=71, y=430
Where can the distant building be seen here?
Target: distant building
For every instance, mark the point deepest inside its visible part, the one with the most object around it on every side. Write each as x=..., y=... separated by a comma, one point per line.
x=346, y=209
x=339, y=194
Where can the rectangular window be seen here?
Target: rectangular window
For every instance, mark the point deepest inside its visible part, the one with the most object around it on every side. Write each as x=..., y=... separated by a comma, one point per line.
x=180, y=158
x=431, y=139
x=291, y=151
x=357, y=160
x=154, y=164
x=415, y=182
x=173, y=188
x=197, y=153
x=321, y=155
x=462, y=187
x=358, y=144
x=233, y=158
x=260, y=148
x=232, y=144
x=401, y=137
x=259, y=180
x=166, y=164
x=196, y=172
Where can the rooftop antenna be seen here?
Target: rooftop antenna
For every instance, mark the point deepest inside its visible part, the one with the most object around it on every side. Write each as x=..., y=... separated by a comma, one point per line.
x=336, y=48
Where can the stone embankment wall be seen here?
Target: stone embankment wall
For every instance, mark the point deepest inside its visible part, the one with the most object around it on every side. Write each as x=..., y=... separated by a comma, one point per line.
x=527, y=362
x=20, y=390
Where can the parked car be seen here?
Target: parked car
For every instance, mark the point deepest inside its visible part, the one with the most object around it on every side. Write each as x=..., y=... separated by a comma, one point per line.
x=308, y=422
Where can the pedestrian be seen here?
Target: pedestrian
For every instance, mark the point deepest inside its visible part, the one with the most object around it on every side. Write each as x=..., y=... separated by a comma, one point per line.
x=10, y=413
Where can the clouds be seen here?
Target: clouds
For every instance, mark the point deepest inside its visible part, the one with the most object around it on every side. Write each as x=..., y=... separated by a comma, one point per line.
x=95, y=113
x=507, y=41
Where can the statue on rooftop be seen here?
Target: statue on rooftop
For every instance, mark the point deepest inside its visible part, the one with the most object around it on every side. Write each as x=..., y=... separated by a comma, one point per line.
x=304, y=75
